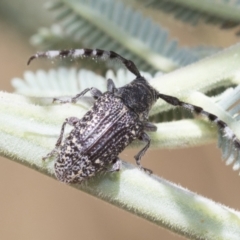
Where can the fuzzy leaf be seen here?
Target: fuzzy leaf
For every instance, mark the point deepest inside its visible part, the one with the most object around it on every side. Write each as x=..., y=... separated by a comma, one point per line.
x=28, y=132
x=221, y=12
x=230, y=103
x=112, y=25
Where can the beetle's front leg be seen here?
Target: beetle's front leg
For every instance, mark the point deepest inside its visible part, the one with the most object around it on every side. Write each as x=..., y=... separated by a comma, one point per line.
x=72, y=122
x=94, y=92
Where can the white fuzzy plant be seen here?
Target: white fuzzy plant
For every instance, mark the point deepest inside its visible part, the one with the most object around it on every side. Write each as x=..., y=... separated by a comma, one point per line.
x=28, y=131
x=30, y=123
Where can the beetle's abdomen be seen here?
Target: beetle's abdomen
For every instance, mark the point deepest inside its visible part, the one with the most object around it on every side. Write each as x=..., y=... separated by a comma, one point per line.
x=97, y=139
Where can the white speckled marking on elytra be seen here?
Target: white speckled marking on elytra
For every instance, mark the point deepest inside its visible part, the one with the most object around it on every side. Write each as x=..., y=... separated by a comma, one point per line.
x=97, y=161
x=94, y=53
x=78, y=53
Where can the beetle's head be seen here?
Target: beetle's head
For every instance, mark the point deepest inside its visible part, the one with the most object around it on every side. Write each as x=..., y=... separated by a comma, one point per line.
x=138, y=95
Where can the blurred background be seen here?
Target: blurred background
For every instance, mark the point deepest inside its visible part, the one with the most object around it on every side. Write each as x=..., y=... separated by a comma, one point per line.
x=33, y=206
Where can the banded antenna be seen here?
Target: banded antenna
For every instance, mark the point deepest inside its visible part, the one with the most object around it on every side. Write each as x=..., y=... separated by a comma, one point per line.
x=91, y=53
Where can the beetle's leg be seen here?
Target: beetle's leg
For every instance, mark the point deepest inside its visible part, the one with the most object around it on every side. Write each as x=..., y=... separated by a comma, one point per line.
x=71, y=121
x=94, y=91
x=116, y=166
x=150, y=127
x=52, y=153
x=145, y=138
x=111, y=85
x=74, y=99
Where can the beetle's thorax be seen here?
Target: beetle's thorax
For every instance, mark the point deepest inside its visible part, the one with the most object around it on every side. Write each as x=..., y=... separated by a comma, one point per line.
x=139, y=96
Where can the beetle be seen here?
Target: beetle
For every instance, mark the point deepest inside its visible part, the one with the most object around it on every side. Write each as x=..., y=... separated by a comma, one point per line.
x=118, y=117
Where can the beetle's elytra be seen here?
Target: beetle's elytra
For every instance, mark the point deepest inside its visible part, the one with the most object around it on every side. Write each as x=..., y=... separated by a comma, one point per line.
x=118, y=117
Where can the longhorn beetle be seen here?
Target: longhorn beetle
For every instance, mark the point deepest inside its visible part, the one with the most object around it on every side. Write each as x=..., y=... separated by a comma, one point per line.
x=118, y=116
